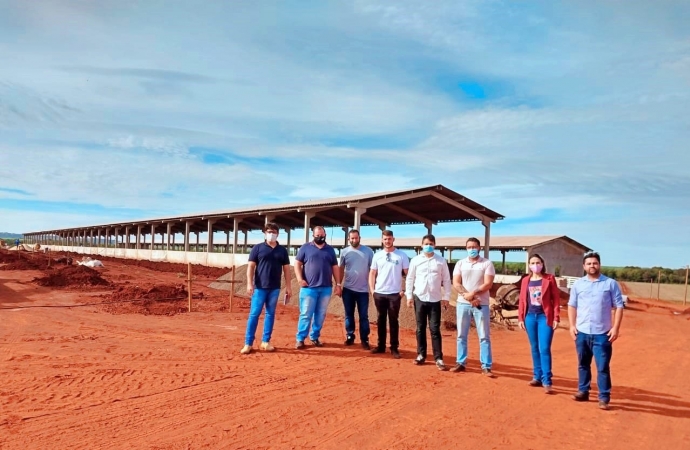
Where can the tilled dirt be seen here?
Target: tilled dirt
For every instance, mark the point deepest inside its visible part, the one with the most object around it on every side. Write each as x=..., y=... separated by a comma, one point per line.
x=20, y=264
x=72, y=276
x=165, y=300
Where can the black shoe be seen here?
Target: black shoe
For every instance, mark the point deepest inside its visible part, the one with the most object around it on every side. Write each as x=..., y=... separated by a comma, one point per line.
x=419, y=360
x=395, y=353
x=440, y=365
x=378, y=350
x=603, y=405
x=535, y=383
x=458, y=368
x=316, y=342
x=488, y=373
x=299, y=345
x=366, y=346
x=350, y=340
x=581, y=396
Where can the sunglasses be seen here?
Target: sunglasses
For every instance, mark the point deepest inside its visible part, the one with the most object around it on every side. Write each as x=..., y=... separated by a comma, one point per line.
x=591, y=254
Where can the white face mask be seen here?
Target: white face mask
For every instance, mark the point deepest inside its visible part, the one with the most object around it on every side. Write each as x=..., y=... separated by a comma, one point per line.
x=271, y=237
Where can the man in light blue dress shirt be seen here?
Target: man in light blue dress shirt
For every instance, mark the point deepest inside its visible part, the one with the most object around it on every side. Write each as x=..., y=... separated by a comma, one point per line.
x=592, y=299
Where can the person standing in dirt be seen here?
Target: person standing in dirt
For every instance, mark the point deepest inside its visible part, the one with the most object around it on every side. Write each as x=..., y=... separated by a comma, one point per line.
x=472, y=278
x=355, y=262
x=386, y=282
x=266, y=263
x=538, y=315
x=426, y=287
x=315, y=267
x=592, y=299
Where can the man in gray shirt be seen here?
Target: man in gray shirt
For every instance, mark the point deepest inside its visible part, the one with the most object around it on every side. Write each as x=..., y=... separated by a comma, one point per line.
x=355, y=262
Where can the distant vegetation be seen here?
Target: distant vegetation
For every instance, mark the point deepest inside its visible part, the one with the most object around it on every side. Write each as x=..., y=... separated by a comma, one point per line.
x=5, y=235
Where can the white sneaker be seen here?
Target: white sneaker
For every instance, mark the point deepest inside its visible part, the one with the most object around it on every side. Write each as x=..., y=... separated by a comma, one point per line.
x=267, y=347
x=247, y=349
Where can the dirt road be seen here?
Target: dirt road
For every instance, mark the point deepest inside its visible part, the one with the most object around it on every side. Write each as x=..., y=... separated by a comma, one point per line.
x=83, y=378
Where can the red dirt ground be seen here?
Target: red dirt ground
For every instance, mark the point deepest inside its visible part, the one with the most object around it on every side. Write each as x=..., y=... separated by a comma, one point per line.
x=82, y=378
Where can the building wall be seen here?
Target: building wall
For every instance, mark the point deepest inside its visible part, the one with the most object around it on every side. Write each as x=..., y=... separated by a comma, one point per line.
x=561, y=253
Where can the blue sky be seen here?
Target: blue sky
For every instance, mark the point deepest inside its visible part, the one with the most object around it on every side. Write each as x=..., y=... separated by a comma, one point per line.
x=567, y=117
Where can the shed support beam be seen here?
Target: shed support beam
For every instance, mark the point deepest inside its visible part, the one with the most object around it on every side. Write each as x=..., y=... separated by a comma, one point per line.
x=235, y=231
x=168, y=230
x=187, y=232
x=307, y=224
x=487, y=238
x=209, y=245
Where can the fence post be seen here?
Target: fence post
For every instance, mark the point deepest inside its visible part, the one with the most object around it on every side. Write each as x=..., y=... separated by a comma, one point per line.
x=189, y=287
x=685, y=297
x=658, y=285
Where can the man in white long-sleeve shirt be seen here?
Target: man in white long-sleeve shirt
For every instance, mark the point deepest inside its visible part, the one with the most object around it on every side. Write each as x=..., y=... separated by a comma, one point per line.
x=428, y=284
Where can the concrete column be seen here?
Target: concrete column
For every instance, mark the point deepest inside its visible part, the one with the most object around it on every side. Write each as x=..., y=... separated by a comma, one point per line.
x=167, y=240
x=503, y=264
x=450, y=254
x=117, y=237
x=307, y=225
x=346, y=230
x=127, y=234
x=235, y=231
x=84, y=244
x=227, y=241
x=429, y=227
x=358, y=218
x=487, y=238
x=209, y=245
x=98, y=237
x=187, y=231
x=289, y=233
x=196, y=247
x=244, y=248
x=107, y=237
x=138, y=243
x=91, y=238
x=153, y=236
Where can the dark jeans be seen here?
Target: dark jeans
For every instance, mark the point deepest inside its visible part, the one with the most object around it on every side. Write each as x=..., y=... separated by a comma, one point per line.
x=352, y=299
x=599, y=347
x=388, y=305
x=431, y=312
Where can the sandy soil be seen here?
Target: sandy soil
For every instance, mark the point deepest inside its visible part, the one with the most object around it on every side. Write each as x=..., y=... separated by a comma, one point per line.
x=83, y=377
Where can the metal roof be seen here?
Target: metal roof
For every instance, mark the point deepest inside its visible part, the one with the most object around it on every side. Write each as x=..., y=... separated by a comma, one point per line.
x=433, y=204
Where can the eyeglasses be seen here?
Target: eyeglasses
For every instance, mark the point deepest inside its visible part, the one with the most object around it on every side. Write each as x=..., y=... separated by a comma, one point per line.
x=394, y=261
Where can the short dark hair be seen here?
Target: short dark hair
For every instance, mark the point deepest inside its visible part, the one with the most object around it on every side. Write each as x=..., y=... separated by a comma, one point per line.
x=387, y=233
x=271, y=226
x=591, y=255
x=473, y=239
x=430, y=237
x=354, y=230
x=538, y=256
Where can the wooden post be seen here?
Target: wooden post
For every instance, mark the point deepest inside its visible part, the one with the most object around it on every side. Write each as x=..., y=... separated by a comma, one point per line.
x=685, y=298
x=658, y=285
x=651, y=287
x=189, y=287
x=232, y=286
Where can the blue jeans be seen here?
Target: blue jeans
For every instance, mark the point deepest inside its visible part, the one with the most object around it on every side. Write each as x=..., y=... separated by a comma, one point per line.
x=313, y=303
x=540, y=336
x=261, y=298
x=482, y=320
x=599, y=347
x=361, y=301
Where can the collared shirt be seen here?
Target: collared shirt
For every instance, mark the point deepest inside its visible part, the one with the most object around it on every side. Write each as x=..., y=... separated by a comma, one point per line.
x=594, y=301
x=472, y=273
x=318, y=264
x=389, y=267
x=269, y=264
x=357, y=262
x=428, y=278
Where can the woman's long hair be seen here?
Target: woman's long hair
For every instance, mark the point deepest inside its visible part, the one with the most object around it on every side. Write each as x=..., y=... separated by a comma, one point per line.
x=543, y=264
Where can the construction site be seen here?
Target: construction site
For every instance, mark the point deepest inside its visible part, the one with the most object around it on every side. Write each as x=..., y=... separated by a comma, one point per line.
x=112, y=342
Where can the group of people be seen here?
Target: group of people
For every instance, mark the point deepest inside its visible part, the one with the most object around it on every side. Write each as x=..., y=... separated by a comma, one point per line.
x=425, y=283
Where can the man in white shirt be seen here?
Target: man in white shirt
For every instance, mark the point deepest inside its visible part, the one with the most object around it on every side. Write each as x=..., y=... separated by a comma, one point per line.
x=473, y=278
x=427, y=285
x=385, y=281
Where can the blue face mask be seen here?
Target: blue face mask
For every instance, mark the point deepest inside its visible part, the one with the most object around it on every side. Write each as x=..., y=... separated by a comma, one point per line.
x=473, y=252
x=428, y=248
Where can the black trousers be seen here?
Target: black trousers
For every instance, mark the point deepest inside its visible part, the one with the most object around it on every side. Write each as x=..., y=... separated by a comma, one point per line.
x=431, y=312
x=388, y=306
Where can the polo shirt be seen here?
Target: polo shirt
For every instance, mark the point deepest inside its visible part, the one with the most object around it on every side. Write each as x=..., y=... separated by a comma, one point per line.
x=318, y=264
x=269, y=265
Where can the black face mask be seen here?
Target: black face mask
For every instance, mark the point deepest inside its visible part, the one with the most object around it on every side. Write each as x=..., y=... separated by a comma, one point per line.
x=319, y=239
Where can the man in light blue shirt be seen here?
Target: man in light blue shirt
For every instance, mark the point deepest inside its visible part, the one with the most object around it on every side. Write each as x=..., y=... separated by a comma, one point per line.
x=355, y=262
x=592, y=299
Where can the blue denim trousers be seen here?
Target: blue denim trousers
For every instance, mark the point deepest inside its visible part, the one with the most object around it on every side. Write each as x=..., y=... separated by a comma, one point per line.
x=360, y=300
x=540, y=336
x=599, y=347
x=465, y=313
x=267, y=298
x=313, y=303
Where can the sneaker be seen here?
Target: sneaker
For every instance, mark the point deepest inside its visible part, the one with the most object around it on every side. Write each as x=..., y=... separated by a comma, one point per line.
x=247, y=349
x=316, y=342
x=548, y=390
x=395, y=353
x=299, y=345
x=365, y=345
x=440, y=365
x=603, y=405
x=267, y=347
x=378, y=350
x=535, y=383
x=350, y=340
x=458, y=368
x=581, y=396
x=419, y=360
x=488, y=373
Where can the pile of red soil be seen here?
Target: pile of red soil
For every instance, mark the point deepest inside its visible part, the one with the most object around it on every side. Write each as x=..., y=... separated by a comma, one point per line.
x=165, y=300
x=72, y=276
x=20, y=264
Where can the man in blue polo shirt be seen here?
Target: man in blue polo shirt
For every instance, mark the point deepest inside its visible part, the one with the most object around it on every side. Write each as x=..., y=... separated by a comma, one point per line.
x=315, y=266
x=266, y=262
x=592, y=298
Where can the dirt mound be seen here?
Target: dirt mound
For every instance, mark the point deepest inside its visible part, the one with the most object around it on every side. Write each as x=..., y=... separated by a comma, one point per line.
x=72, y=276
x=20, y=264
x=165, y=300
